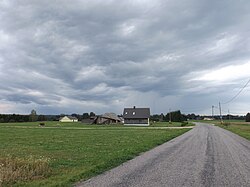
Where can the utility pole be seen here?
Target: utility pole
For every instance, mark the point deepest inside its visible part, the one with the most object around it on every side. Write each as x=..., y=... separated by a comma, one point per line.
x=170, y=115
x=220, y=114
x=229, y=115
x=213, y=111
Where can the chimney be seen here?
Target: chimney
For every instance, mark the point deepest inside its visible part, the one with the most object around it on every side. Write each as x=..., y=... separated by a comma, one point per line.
x=134, y=107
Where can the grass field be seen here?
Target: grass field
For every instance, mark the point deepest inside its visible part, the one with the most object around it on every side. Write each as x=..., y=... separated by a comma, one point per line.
x=82, y=125
x=61, y=154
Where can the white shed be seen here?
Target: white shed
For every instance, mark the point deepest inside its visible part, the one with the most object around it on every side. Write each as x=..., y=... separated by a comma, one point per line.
x=68, y=119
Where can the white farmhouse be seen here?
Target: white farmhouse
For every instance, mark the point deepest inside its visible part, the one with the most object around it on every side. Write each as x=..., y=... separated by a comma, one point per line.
x=68, y=119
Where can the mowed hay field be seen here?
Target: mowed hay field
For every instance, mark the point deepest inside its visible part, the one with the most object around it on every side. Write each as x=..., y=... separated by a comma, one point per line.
x=61, y=154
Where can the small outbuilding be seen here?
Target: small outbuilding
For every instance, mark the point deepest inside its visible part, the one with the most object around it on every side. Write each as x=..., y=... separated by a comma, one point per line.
x=208, y=119
x=68, y=119
x=136, y=116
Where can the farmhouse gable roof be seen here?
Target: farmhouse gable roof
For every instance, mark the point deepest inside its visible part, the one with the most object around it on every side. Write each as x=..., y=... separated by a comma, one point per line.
x=70, y=117
x=136, y=113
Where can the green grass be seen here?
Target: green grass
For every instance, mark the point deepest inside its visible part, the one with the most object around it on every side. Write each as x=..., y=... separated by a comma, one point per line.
x=167, y=124
x=83, y=125
x=47, y=124
x=242, y=130
x=76, y=151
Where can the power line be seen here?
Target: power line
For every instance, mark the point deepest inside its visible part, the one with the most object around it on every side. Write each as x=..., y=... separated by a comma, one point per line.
x=234, y=113
x=237, y=93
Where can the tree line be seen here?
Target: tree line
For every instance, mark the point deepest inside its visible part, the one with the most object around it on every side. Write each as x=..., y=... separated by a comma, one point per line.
x=33, y=117
x=177, y=116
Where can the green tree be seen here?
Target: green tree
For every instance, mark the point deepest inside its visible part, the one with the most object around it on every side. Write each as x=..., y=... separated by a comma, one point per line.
x=176, y=116
x=41, y=118
x=92, y=114
x=155, y=117
x=33, y=116
x=85, y=116
x=248, y=117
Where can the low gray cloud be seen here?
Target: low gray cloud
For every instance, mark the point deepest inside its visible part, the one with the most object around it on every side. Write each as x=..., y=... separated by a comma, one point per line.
x=61, y=57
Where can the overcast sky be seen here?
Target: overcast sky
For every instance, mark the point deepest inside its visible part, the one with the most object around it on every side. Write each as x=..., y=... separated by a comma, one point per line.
x=95, y=55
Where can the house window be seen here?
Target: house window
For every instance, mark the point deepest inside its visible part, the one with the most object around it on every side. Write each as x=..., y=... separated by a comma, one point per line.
x=133, y=113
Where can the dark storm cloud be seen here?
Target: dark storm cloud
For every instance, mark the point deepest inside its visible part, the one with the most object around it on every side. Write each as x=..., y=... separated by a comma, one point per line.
x=104, y=55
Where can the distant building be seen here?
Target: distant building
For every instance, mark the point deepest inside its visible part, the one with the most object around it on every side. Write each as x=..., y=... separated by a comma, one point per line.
x=208, y=119
x=107, y=118
x=68, y=119
x=136, y=116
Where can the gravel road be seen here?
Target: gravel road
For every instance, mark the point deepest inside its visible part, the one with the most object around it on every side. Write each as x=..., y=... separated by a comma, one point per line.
x=205, y=156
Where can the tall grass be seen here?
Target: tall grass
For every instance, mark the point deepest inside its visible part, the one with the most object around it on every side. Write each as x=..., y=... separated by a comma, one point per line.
x=14, y=170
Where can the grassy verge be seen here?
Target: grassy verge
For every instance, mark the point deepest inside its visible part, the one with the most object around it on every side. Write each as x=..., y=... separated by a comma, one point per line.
x=172, y=124
x=61, y=156
x=242, y=129
x=236, y=126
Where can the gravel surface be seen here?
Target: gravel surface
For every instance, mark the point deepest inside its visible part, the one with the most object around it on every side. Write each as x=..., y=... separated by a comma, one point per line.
x=204, y=156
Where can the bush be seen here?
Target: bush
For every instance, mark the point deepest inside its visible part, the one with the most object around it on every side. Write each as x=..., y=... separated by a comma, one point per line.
x=41, y=124
x=184, y=123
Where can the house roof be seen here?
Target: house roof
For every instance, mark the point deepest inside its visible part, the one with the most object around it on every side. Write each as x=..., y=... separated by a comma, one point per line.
x=106, y=117
x=111, y=116
x=136, y=113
